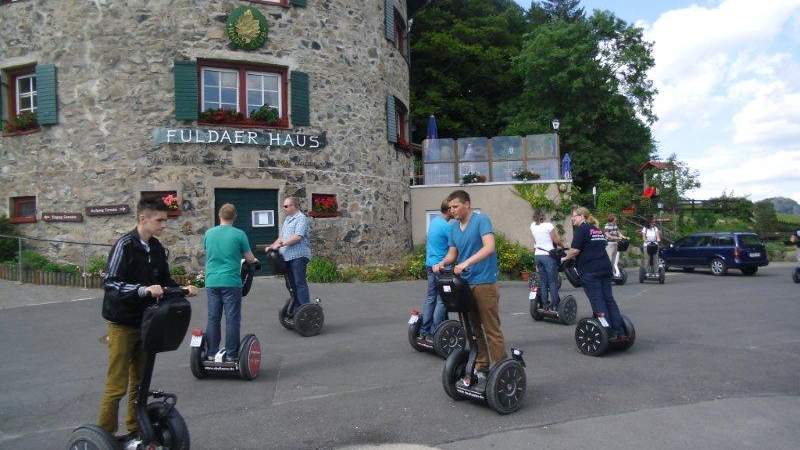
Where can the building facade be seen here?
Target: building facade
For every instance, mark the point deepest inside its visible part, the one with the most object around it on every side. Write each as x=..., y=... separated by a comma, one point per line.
x=247, y=102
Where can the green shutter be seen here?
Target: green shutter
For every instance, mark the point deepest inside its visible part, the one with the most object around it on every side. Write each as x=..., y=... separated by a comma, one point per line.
x=301, y=111
x=389, y=19
x=46, y=98
x=391, y=123
x=300, y=3
x=185, y=90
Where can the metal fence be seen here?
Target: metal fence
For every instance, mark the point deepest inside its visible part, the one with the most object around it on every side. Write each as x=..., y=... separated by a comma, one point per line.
x=15, y=271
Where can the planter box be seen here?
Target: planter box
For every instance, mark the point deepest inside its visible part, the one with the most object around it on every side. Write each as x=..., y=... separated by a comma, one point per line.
x=320, y=215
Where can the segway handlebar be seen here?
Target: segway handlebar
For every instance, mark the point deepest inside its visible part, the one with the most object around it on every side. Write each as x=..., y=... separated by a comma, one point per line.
x=168, y=290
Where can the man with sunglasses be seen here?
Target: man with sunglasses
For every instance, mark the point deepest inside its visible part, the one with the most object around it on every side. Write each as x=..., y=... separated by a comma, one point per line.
x=293, y=243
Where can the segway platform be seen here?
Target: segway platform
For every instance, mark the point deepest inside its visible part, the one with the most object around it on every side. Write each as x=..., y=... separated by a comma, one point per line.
x=567, y=306
x=307, y=319
x=505, y=384
x=592, y=337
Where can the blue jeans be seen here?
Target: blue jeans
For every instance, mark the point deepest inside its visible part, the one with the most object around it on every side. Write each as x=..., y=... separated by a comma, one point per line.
x=229, y=299
x=598, y=289
x=548, y=274
x=433, y=312
x=297, y=278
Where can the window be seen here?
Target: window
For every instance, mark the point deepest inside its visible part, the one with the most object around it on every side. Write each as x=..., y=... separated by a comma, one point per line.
x=400, y=33
x=23, y=209
x=242, y=90
x=25, y=91
x=401, y=119
x=22, y=99
x=723, y=241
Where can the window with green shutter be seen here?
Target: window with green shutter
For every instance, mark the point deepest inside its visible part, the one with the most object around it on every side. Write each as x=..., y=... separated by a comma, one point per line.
x=388, y=12
x=391, y=119
x=185, y=74
x=301, y=100
x=46, y=97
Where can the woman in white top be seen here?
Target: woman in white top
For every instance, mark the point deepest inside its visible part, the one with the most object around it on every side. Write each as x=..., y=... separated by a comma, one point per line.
x=650, y=234
x=546, y=238
x=613, y=236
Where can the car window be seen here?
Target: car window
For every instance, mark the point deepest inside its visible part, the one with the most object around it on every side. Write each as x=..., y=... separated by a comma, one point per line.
x=747, y=240
x=686, y=242
x=703, y=241
x=723, y=241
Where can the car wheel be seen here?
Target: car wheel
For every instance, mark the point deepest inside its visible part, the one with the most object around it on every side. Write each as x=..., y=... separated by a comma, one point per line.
x=718, y=267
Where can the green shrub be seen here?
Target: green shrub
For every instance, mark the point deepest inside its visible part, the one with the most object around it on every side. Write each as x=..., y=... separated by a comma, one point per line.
x=527, y=261
x=321, y=270
x=414, y=264
x=371, y=274
x=62, y=268
x=177, y=270
x=96, y=265
x=33, y=261
x=510, y=255
x=8, y=246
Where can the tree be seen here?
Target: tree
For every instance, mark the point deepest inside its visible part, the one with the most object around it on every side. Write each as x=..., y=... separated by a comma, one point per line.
x=765, y=217
x=592, y=75
x=567, y=10
x=672, y=184
x=462, y=65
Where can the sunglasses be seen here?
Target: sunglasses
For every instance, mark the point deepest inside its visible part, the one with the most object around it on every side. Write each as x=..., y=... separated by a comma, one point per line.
x=286, y=206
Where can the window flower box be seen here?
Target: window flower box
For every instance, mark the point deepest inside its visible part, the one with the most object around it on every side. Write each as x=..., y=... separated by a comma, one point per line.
x=324, y=205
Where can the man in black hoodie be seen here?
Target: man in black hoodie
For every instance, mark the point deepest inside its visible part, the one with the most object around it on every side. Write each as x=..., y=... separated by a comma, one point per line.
x=137, y=272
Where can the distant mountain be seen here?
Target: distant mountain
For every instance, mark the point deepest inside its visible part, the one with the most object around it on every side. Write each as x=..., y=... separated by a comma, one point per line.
x=785, y=205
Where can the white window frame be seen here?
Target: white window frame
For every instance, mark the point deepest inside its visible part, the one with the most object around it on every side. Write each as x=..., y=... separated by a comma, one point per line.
x=280, y=86
x=270, y=221
x=203, y=86
x=31, y=94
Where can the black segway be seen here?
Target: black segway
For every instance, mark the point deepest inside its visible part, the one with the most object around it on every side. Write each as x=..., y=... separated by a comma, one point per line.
x=620, y=276
x=796, y=275
x=567, y=307
x=247, y=365
x=653, y=272
x=306, y=320
x=447, y=337
x=591, y=336
x=163, y=328
x=505, y=385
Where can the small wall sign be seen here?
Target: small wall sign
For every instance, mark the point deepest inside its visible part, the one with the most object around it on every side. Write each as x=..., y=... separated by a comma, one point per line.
x=62, y=217
x=246, y=28
x=107, y=210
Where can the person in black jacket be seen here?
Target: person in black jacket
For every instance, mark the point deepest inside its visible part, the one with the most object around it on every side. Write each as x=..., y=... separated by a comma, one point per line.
x=137, y=273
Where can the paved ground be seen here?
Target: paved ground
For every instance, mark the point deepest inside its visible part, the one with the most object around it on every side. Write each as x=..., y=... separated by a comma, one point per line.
x=715, y=366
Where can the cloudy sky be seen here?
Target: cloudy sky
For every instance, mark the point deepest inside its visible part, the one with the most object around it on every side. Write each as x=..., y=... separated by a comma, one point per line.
x=728, y=75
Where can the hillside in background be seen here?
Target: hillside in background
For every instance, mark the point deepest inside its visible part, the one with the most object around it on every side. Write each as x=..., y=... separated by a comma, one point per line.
x=785, y=205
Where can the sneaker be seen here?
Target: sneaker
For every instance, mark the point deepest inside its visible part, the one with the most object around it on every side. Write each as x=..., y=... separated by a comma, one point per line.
x=425, y=339
x=230, y=358
x=210, y=358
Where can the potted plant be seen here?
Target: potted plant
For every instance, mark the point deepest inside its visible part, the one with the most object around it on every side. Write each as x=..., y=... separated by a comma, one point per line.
x=473, y=177
x=524, y=175
x=324, y=205
x=220, y=116
x=24, y=121
x=266, y=115
x=527, y=265
x=173, y=205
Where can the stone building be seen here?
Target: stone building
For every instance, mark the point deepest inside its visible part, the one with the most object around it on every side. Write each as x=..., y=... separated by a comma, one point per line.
x=106, y=101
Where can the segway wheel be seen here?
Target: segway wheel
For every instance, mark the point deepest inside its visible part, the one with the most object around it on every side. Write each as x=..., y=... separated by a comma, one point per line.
x=661, y=275
x=168, y=426
x=91, y=437
x=506, y=386
x=591, y=337
x=196, y=355
x=283, y=316
x=454, y=370
x=642, y=274
x=308, y=319
x=535, y=307
x=630, y=332
x=568, y=310
x=413, y=332
x=796, y=275
x=249, y=357
x=622, y=279
x=449, y=337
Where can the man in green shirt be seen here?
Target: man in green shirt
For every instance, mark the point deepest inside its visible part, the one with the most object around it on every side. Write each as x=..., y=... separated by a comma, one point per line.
x=225, y=246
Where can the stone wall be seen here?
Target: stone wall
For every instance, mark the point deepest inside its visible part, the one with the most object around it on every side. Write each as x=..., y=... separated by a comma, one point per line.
x=114, y=65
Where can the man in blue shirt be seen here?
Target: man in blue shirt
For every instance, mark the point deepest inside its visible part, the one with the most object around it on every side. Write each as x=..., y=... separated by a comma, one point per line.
x=293, y=244
x=471, y=246
x=433, y=312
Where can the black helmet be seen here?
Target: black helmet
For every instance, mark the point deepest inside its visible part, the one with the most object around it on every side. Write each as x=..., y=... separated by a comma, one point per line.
x=276, y=261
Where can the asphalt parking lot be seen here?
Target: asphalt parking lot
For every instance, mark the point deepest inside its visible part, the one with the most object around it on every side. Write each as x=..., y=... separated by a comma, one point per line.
x=715, y=366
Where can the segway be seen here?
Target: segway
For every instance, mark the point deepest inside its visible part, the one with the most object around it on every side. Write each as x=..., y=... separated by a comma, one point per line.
x=164, y=326
x=247, y=365
x=653, y=272
x=447, y=337
x=567, y=307
x=796, y=275
x=505, y=385
x=306, y=320
x=620, y=276
x=591, y=336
